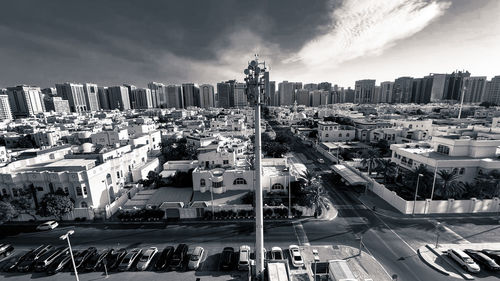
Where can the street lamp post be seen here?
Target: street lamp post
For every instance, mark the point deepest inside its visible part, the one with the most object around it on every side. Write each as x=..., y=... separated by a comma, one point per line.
x=416, y=194
x=66, y=237
x=434, y=180
x=212, y=194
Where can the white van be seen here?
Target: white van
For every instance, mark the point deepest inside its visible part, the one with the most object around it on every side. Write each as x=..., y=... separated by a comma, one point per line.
x=463, y=260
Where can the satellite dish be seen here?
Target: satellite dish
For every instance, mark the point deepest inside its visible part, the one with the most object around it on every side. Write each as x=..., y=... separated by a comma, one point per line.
x=253, y=63
x=246, y=71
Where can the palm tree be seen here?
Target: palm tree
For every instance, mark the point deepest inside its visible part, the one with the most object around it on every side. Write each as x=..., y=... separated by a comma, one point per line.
x=307, y=178
x=315, y=195
x=370, y=158
x=490, y=183
x=449, y=186
x=425, y=183
x=387, y=168
x=471, y=190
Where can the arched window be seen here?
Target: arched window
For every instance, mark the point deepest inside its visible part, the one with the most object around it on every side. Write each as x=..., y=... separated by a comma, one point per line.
x=202, y=182
x=239, y=181
x=84, y=204
x=4, y=191
x=277, y=186
x=108, y=179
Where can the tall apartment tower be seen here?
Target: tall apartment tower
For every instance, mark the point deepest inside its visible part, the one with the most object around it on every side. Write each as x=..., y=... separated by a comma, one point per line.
x=225, y=93
x=272, y=93
x=102, y=93
x=5, y=111
x=286, y=92
x=207, y=96
x=439, y=86
x=118, y=97
x=455, y=84
x=327, y=86
x=303, y=97
x=493, y=91
x=364, y=91
x=240, y=95
x=174, y=97
x=130, y=89
x=311, y=86
x=475, y=87
x=158, y=94
x=386, y=91
x=25, y=100
x=401, y=92
x=141, y=98
x=191, y=94
x=91, y=96
x=74, y=94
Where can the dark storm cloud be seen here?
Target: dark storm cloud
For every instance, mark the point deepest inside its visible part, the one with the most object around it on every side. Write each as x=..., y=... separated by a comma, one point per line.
x=123, y=41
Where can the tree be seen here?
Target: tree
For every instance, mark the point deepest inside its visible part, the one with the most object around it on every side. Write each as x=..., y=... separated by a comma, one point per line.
x=179, y=150
x=387, y=168
x=449, y=186
x=383, y=146
x=24, y=204
x=56, y=205
x=275, y=149
x=424, y=183
x=7, y=212
x=313, y=134
x=490, y=183
x=369, y=159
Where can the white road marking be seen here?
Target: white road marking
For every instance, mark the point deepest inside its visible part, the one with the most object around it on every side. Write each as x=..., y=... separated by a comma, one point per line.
x=300, y=234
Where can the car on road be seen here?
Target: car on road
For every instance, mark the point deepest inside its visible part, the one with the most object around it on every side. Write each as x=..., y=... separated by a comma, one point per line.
x=84, y=256
x=321, y=161
x=179, y=257
x=277, y=253
x=114, y=259
x=316, y=255
x=464, y=260
x=244, y=258
x=129, y=260
x=28, y=263
x=295, y=256
x=60, y=264
x=226, y=262
x=495, y=255
x=164, y=259
x=48, y=225
x=6, y=249
x=48, y=258
x=483, y=259
x=195, y=258
x=146, y=258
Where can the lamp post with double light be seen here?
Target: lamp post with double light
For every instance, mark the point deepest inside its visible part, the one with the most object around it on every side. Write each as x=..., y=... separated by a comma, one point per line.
x=416, y=194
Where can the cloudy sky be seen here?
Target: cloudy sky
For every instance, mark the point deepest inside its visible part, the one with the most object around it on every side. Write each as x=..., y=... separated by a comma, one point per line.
x=115, y=42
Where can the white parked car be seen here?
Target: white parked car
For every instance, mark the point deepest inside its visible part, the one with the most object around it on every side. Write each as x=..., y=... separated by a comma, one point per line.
x=277, y=253
x=47, y=225
x=196, y=257
x=463, y=260
x=295, y=255
x=244, y=258
x=146, y=258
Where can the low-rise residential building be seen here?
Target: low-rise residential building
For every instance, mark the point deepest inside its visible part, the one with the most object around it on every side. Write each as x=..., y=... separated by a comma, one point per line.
x=333, y=132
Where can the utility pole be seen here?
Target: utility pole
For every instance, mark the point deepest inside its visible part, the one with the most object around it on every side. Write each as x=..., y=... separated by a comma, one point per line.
x=461, y=100
x=255, y=82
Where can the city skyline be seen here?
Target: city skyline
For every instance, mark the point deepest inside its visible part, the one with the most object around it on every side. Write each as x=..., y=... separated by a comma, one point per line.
x=175, y=46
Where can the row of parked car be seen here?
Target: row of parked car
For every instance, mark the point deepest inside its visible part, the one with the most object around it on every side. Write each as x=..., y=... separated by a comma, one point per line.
x=50, y=259
x=471, y=259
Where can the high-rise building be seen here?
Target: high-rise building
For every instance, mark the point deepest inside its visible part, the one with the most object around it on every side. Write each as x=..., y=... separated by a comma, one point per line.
x=327, y=86
x=191, y=94
x=401, y=91
x=91, y=97
x=377, y=95
x=5, y=111
x=240, y=95
x=349, y=95
x=315, y=98
x=102, y=93
x=25, y=100
x=364, y=91
x=439, y=86
x=297, y=86
x=131, y=88
x=141, y=98
x=74, y=94
x=225, y=93
x=272, y=92
x=474, y=88
x=417, y=90
x=324, y=97
x=493, y=91
x=386, y=91
x=207, y=97
x=59, y=105
x=303, y=97
x=286, y=93
x=158, y=94
x=118, y=97
x=174, y=97
x=455, y=84
x=311, y=86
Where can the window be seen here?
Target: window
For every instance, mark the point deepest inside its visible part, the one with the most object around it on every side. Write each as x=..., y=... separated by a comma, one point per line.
x=4, y=192
x=443, y=149
x=225, y=162
x=84, y=188
x=217, y=184
x=84, y=204
x=462, y=171
x=78, y=191
x=239, y=181
x=326, y=135
x=202, y=182
x=277, y=186
x=347, y=134
x=118, y=174
x=66, y=190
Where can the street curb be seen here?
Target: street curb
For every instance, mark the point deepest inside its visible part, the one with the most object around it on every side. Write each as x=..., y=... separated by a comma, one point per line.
x=454, y=266
x=429, y=263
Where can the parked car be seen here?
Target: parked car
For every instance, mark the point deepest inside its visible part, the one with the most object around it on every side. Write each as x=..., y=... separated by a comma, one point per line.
x=12, y=264
x=61, y=263
x=463, y=260
x=244, y=258
x=316, y=255
x=6, y=249
x=179, y=256
x=495, y=255
x=129, y=260
x=195, y=258
x=226, y=262
x=95, y=261
x=146, y=258
x=277, y=253
x=295, y=256
x=114, y=259
x=483, y=259
x=164, y=259
x=28, y=263
x=48, y=258
x=49, y=225
x=84, y=256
